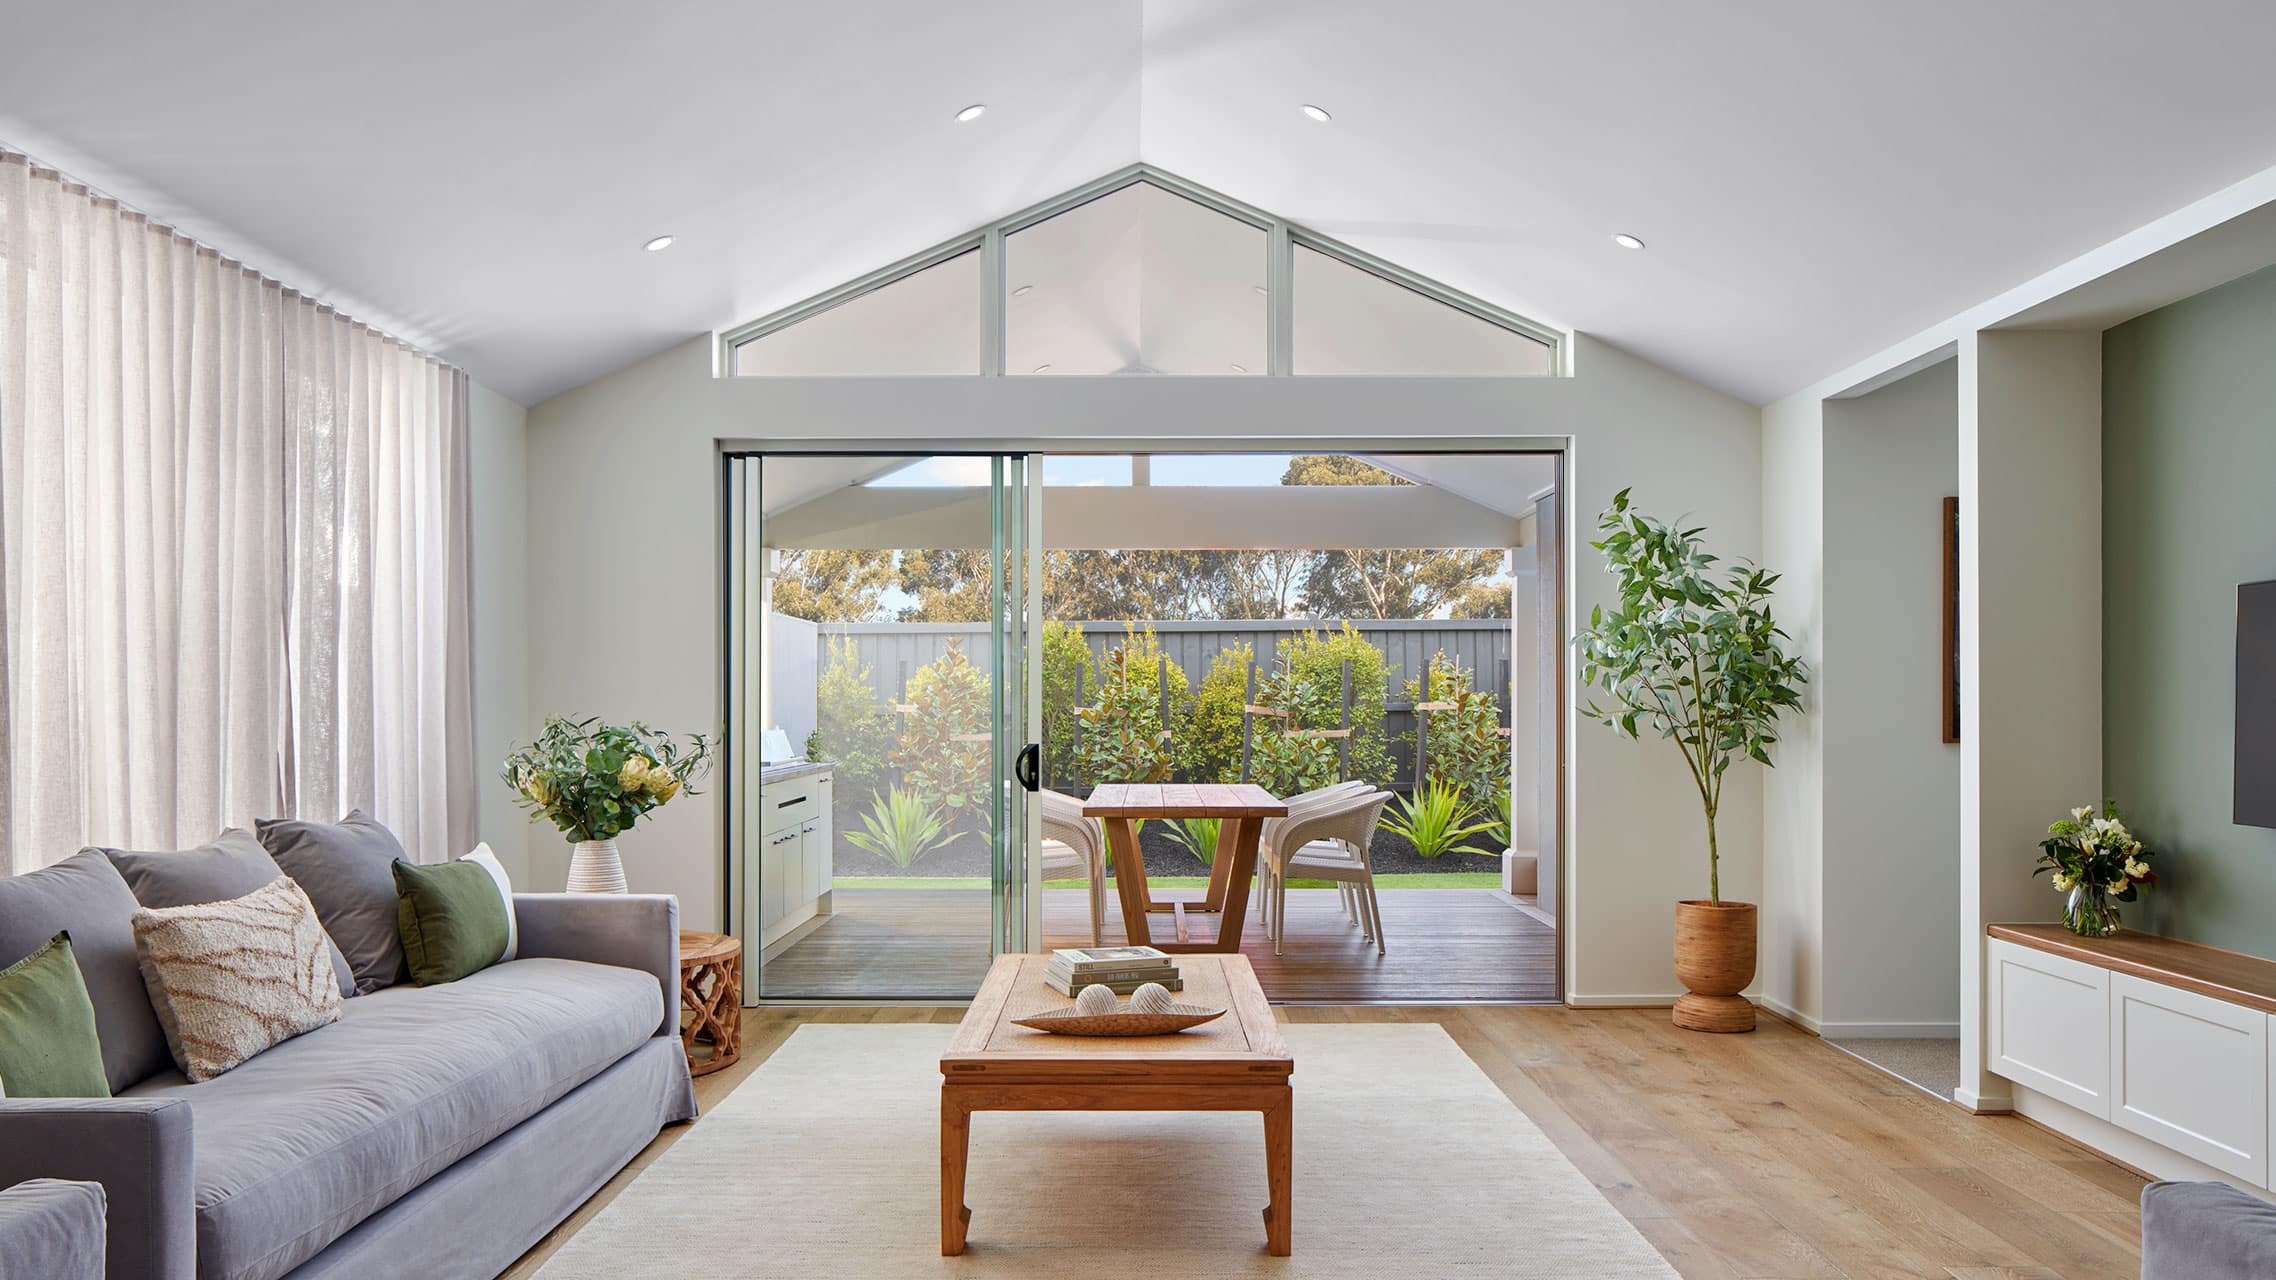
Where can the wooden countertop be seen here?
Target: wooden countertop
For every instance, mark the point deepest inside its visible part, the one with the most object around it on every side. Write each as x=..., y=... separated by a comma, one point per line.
x=2192, y=966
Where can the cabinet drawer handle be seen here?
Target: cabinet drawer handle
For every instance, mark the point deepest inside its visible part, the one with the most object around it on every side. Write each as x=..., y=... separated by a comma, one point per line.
x=785, y=804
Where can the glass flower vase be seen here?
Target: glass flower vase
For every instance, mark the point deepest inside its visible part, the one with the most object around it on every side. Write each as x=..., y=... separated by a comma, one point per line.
x=2090, y=913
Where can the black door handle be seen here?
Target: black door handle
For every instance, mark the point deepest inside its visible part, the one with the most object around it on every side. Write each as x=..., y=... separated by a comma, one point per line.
x=1026, y=767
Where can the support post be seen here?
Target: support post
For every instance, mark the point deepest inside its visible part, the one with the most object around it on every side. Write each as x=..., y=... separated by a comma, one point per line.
x=1248, y=699
x=1343, y=744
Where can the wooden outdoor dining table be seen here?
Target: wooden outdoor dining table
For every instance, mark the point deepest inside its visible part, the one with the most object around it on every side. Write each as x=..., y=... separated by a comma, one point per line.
x=1241, y=807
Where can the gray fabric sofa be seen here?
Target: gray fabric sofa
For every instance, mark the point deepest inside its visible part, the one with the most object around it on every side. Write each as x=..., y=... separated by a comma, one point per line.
x=2206, y=1231
x=437, y=1131
x=52, y=1229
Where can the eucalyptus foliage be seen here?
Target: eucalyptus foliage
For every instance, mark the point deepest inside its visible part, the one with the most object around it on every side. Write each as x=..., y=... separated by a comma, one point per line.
x=594, y=780
x=1690, y=652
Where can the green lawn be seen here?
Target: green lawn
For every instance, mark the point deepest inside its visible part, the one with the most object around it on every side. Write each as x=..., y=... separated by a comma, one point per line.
x=1417, y=880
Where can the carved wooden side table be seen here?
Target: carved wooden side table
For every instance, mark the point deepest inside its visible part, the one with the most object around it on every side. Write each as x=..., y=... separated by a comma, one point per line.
x=711, y=992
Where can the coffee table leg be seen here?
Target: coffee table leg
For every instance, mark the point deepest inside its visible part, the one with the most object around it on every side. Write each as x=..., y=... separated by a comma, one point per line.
x=955, y=1143
x=1279, y=1165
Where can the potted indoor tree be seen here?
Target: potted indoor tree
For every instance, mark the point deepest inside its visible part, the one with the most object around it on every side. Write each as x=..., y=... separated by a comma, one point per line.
x=1691, y=653
x=594, y=780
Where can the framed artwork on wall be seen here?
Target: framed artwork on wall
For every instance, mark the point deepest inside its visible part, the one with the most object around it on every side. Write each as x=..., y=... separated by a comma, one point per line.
x=1951, y=672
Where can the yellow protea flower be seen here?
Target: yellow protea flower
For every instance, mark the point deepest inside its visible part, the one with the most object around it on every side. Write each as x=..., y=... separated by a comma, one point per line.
x=670, y=788
x=535, y=787
x=634, y=775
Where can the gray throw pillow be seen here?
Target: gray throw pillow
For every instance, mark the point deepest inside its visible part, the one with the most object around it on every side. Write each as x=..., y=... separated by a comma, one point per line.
x=233, y=865
x=84, y=896
x=347, y=868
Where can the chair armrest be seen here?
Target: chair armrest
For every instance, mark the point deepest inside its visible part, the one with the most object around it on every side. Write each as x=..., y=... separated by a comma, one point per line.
x=138, y=1148
x=631, y=930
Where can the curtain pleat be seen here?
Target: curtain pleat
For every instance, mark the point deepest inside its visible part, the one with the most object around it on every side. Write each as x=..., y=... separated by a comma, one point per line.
x=233, y=530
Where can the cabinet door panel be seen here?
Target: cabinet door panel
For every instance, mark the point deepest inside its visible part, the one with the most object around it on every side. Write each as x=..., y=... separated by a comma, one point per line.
x=2050, y=1025
x=2190, y=1072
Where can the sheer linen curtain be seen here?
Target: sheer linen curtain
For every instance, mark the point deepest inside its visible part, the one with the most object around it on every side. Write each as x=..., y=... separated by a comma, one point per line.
x=232, y=545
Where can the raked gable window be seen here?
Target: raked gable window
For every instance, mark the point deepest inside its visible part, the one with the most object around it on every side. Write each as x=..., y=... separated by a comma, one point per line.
x=1142, y=272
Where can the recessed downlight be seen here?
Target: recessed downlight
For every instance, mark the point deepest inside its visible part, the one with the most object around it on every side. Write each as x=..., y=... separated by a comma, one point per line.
x=1260, y=290
x=1318, y=115
x=1626, y=241
x=1023, y=291
x=971, y=113
x=1240, y=368
x=658, y=245
x=1041, y=368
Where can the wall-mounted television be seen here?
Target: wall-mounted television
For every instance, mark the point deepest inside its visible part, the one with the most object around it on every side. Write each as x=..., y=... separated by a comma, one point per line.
x=2256, y=704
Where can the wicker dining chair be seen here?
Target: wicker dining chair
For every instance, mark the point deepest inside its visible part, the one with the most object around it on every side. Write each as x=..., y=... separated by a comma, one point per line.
x=1073, y=846
x=1328, y=841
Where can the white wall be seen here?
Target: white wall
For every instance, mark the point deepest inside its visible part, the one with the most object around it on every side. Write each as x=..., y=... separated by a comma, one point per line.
x=624, y=484
x=498, y=466
x=1891, y=784
x=2031, y=632
x=1793, y=894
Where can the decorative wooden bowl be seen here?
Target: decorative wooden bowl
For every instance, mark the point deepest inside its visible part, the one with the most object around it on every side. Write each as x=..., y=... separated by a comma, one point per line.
x=1074, y=1022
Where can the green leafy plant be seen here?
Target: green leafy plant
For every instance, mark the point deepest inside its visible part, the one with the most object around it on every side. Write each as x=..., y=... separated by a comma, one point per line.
x=943, y=751
x=852, y=728
x=1690, y=652
x=1282, y=758
x=1197, y=836
x=1500, y=828
x=1317, y=658
x=1067, y=668
x=1123, y=738
x=1463, y=744
x=1210, y=748
x=594, y=780
x=900, y=827
x=1433, y=818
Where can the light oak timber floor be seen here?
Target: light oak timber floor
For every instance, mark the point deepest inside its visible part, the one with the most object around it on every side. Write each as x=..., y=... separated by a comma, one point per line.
x=1762, y=1155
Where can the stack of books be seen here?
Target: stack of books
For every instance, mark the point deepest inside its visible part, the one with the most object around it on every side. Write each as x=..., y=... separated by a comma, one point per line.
x=1121, y=970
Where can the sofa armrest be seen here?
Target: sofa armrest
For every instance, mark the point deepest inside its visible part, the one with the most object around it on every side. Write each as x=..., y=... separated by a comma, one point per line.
x=633, y=930
x=138, y=1148
x=53, y=1228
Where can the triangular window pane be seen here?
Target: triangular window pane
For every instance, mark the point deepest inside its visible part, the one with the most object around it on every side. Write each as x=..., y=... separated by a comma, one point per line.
x=1136, y=281
x=1351, y=320
x=926, y=322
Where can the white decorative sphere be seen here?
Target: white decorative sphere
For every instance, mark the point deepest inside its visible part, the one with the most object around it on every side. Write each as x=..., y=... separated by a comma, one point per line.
x=1151, y=998
x=1093, y=1001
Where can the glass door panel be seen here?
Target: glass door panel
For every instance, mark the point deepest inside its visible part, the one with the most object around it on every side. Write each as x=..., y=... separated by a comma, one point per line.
x=877, y=703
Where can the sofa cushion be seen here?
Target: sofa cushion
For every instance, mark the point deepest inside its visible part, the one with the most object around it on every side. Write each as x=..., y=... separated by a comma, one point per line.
x=2206, y=1231
x=450, y=919
x=231, y=866
x=344, y=867
x=300, y=1144
x=48, y=1047
x=84, y=897
x=232, y=979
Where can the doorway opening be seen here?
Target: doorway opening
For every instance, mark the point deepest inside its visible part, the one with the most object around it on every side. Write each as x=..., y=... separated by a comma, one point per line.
x=1383, y=624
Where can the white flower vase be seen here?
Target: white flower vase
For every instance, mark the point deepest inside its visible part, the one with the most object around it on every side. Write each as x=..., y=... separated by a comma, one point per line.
x=595, y=868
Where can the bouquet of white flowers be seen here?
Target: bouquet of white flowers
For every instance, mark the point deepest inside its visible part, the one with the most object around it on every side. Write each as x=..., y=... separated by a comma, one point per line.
x=2099, y=863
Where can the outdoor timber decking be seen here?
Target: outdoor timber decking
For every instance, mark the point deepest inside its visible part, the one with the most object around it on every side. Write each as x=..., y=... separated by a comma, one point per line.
x=1445, y=944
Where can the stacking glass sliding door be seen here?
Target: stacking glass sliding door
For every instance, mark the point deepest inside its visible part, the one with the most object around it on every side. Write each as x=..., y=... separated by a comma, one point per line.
x=879, y=704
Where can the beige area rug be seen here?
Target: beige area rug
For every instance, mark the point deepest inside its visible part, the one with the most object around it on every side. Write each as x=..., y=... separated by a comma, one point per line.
x=825, y=1163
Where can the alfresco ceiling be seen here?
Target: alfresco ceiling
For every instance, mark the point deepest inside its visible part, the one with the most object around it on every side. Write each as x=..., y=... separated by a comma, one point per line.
x=1141, y=272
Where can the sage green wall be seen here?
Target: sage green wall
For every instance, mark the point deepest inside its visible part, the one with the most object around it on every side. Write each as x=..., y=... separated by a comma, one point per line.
x=2189, y=499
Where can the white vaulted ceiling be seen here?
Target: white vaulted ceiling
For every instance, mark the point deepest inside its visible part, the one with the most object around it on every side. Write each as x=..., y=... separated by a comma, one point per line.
x=1814, y=180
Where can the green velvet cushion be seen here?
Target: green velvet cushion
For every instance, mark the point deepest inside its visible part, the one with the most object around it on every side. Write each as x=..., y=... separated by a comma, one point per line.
x=450, y=918
x=48, y=1047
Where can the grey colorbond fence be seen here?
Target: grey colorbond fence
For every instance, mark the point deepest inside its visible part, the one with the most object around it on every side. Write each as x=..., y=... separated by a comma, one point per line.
x=893, y=651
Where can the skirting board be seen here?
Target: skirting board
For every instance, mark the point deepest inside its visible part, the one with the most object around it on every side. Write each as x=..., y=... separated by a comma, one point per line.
x=1889, y=1030
x=2131, y=1150
x=1577, y=1001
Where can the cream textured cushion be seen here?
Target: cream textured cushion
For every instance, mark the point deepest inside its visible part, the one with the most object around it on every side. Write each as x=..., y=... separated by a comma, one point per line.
x=229, y=979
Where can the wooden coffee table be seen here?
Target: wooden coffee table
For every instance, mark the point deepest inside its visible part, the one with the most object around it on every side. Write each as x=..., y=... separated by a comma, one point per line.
x=1237, y=1063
